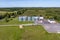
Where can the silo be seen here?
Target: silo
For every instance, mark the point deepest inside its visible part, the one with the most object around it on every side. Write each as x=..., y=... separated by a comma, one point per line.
x=35, y=18
x=20, y=18
x=24, y=18
x=28, y=18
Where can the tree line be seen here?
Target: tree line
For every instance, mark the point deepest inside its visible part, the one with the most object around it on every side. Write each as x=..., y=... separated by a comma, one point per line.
x=46, y=12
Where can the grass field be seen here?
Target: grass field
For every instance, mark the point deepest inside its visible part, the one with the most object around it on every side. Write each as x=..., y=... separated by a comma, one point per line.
x=10, y=33
x=27, y=33
x=14, y=21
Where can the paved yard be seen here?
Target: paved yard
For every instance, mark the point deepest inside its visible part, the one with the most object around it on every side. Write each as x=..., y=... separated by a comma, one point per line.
x=50, y=27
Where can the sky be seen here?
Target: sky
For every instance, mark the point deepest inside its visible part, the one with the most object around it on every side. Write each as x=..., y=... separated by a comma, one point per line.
x=29, y=3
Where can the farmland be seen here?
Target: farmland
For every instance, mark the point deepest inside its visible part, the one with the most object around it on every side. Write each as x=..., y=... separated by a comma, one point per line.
x=10, y=33
x=11, y=14
x=27, y=33
x=14, y=21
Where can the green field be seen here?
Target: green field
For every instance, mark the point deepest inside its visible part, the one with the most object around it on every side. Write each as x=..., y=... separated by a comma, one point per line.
x=14, y=13
x=14, y=21
x=10, y=33
x=27, y=33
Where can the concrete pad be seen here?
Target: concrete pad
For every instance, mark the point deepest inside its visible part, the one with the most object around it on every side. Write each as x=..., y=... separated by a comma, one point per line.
x=20, y=26
x=58, y=32
x=51, y=27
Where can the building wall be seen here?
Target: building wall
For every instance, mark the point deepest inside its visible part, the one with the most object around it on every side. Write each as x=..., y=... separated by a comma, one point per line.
x=29, y=18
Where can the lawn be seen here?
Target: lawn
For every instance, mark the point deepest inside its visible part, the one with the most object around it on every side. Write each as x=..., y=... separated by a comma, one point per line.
x=10, y=33
x=38, y=33
x=14, y=21
x=27, y=33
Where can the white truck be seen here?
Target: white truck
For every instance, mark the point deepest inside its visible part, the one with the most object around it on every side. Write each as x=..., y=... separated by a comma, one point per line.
x=51, y=21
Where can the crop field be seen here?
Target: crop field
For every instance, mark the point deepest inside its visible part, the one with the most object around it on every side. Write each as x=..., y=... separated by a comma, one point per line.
x=27, y=33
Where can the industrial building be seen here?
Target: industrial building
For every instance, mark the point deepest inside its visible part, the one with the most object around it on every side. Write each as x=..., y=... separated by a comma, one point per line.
x=30, y=18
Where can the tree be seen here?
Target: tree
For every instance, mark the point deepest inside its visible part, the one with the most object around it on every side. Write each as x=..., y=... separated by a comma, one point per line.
x=19, y=12
x=1, y=17
x=55, y=17
x=6, y=19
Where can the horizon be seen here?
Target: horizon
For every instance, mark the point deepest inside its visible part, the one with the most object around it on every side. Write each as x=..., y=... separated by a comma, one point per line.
x=29, y=7
x=29, y=3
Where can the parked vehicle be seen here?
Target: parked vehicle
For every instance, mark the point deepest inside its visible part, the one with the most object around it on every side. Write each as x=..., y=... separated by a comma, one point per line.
x=51, y=21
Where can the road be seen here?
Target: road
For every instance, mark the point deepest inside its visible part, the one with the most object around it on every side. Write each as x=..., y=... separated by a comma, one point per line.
x=19, y=24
